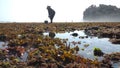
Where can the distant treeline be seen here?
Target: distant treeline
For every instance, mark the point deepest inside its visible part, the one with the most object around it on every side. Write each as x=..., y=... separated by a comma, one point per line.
x=103, y=13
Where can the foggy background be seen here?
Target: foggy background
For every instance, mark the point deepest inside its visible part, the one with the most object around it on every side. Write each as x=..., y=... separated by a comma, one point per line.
x=35, y=10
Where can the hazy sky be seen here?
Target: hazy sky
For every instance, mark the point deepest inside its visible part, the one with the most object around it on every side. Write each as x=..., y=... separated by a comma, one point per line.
x=35, y=10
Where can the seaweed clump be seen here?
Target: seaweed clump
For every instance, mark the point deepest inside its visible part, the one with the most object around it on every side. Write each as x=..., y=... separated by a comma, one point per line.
x=98, y=52
x=42, y=51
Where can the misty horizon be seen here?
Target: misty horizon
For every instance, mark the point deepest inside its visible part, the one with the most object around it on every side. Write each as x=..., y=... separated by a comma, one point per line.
x=35, y=10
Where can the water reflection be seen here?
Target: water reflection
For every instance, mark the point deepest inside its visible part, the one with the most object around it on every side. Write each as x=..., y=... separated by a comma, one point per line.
x=3, y=45
x=87, y=52
x=116, y=65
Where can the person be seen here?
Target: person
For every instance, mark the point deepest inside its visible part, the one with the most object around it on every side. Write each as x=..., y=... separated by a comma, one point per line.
x=51, y=13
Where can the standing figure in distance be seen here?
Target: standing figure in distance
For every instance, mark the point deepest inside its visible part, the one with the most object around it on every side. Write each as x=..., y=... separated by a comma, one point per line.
x=51, y=13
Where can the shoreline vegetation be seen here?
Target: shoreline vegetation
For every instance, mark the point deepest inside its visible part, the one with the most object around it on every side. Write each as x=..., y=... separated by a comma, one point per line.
x=108, y=13
x=49, y=52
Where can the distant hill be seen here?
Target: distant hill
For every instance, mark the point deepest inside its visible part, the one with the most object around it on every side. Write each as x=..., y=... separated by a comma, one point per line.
x=104, y=13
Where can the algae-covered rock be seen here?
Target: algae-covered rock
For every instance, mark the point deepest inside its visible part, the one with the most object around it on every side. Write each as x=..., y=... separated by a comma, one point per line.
x=98, y=52
x=52, y=34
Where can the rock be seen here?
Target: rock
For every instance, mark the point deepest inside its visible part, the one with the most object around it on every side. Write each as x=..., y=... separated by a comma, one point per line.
x=46, y=21
x=2, y=37
x=95, y=28
x=75, y=34
x=21, y=36
x=40, y=32
x=52, y=34
x=114, y=56
x=106, y=34
x=44, y=65
x=73, y=29
x=115, y=41
x=79, y=42
x=86, y=45
x=86, y=36
x=52, y=65
x=98, y=52
x=77, y=48
x=82, y=37
x=82, y=49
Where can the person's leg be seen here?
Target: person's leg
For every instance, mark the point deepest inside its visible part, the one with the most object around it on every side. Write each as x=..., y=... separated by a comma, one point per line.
x=51, y=20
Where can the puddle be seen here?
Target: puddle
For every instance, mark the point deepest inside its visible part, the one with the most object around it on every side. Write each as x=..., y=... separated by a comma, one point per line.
x=3, y=45
x=103, y=43
x=24, y=57
x=116, y=65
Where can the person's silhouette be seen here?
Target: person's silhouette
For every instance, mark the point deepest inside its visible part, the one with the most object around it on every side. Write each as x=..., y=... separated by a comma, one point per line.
x=51, y=13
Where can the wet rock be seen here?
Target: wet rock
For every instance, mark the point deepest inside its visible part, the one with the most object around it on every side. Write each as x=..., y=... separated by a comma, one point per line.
x=21, y=36
x=86, y=36
x=115, y=41
x=116, y=58
x=44, y=65
x=74, y=43
x=5, y=65
x=69, y=65
x=82, y=37
x=79, y=42
x=40, y=32
x=98, y=52
x=118, y=35
x=52, y=65
x=86, y=45
x=24, y=44
x=113, y=57
x=73, y=29
x=46, y=21
x=106, y=66
x=74, y=34
x=77, y=49
x=52, y=34
x=93, y=28
x=82, y=49
x=107, y=34
x=2, y=55
x=106, y=26
x=2, y=37
x=88, y=32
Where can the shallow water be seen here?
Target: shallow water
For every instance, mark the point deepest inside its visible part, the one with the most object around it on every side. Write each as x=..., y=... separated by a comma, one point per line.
x=103, y=43
x=116, y=65
x=3, y=45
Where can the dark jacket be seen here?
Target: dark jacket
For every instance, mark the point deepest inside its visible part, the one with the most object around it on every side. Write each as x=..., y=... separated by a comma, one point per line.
x=51, y=13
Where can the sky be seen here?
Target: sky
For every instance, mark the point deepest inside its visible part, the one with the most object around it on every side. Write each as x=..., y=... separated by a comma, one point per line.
x=35, y=10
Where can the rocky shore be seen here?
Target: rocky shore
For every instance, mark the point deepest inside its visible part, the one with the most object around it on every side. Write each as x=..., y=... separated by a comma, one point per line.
x=27, y=39
x=105, y=31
